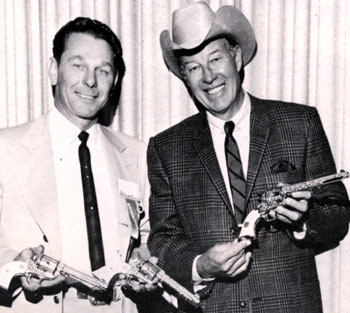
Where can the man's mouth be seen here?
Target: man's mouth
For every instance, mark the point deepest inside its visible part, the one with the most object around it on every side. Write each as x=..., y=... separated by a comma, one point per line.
x=215, y=90
x=84, y=96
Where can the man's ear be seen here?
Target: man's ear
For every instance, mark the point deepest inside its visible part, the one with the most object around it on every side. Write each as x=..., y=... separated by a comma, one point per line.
x=236, y=53
x=182, y=72
x=53, y=71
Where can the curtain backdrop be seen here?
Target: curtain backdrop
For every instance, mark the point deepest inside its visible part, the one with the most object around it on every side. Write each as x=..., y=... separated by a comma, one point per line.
x=303, y=56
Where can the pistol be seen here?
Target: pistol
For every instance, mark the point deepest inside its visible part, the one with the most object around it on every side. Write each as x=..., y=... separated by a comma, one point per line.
x=44, y=267
x=151, y=272
x=271, y=199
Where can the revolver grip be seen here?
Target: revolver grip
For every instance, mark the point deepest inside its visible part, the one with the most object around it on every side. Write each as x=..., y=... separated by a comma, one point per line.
x=248, y=231
x=9, y=271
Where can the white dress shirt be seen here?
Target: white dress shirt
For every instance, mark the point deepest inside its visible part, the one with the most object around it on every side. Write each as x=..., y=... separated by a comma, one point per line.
x=65, y=145
x=241, y=134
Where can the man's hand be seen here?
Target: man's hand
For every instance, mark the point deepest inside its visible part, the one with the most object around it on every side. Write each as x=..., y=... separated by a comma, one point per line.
x=295, y=208
x=224, y=260
x=137, y=285
x=33, y=284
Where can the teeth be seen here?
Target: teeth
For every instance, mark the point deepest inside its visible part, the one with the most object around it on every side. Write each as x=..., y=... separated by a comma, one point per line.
x=215, y=90
x=85, y=96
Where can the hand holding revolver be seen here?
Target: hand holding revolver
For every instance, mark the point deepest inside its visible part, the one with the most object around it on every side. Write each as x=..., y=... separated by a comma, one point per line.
x=287, y=203
x=33, y=282
x=294, y=208
x=139, y=285
x=139, y=275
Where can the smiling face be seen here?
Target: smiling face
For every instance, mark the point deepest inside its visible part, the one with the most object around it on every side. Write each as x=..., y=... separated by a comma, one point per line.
x=83, y=79
x=213, y=77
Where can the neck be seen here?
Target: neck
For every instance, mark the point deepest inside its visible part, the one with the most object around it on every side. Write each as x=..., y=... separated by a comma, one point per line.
x=237, y=103
x=81, y=123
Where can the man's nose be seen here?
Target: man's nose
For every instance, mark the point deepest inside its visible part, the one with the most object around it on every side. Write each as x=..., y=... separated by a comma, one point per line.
x=208, y=75
x=90, y=79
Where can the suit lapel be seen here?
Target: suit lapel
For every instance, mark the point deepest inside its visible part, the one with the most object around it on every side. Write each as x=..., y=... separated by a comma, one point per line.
x=259, y=134
x=36, y=180
x=205, y=149
x=120, y=165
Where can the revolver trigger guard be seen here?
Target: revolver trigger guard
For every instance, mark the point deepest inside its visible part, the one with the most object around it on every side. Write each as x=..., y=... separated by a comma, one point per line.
x=28, y=277
x=267, y=217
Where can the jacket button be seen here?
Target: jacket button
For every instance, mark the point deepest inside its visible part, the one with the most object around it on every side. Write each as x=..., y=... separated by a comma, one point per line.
x=56, y=299
x=242, y=304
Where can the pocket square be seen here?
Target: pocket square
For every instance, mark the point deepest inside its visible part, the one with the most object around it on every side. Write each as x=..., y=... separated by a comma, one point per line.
x=282, y=167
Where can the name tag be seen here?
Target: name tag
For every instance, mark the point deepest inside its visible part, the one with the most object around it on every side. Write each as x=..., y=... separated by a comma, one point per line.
x=130, y=192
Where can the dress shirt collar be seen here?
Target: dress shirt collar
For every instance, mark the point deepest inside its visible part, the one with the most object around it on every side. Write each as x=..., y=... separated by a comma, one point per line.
x=63, y=131
x=237, y=118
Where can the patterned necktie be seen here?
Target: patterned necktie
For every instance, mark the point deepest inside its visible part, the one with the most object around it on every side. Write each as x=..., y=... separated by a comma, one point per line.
x=93, y=225
x=235, y=172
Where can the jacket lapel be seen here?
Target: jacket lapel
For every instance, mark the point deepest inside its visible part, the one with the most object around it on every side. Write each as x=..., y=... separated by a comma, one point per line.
x=205, y=149
x=259, y=134
x=120, y=164
x=36, y=180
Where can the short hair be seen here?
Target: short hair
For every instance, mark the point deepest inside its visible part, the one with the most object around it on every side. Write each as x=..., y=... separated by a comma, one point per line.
x=94, y=28
x=97, y=30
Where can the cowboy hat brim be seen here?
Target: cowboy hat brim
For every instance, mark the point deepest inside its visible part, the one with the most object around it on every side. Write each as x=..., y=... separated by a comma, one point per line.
x=229, y=22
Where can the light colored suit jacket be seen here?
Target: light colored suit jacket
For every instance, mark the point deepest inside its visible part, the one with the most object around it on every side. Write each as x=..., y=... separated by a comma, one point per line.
x=29, y=206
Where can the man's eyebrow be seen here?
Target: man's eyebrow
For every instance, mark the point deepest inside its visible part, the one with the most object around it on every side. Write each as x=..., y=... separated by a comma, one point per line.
x=210, y=53
x=188, y=62
x=73, y=57
x=106, y=63
x=215, y=51
x=80, y=58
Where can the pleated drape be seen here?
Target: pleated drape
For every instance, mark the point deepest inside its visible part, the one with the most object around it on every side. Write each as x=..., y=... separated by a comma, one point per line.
x=303, y=56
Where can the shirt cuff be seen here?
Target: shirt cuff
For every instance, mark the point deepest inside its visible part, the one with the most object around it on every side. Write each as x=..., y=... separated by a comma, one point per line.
x=198, y=282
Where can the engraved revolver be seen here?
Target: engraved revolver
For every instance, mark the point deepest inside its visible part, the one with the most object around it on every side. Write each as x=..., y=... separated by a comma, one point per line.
x=44, y=267
x=151, y=272
x=271, y=199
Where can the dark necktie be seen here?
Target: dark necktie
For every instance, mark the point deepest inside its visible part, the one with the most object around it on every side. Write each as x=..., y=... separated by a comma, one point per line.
x=235, y=172
x=93, y=225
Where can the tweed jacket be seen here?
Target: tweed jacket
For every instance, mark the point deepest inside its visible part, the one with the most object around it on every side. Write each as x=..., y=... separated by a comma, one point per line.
x=29, y=206
x=190, y=210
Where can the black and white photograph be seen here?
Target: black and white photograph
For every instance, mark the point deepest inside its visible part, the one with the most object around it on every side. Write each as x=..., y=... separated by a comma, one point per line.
x=163, y=156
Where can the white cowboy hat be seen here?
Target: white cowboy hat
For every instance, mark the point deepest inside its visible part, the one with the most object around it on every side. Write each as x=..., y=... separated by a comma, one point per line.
x=197, y=23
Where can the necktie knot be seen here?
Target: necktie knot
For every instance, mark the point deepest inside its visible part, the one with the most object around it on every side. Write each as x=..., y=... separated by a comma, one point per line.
x=83, y=136
x=229, y=127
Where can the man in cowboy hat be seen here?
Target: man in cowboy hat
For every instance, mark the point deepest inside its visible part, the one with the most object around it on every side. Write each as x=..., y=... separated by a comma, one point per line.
x=209, y=171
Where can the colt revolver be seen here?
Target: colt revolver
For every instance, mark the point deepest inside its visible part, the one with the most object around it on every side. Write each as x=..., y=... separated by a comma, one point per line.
x=151, y=272
x=44, y=267
x=271, y=199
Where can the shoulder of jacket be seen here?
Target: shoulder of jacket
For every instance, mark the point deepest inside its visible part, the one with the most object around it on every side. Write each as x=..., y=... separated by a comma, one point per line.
x=189, y=124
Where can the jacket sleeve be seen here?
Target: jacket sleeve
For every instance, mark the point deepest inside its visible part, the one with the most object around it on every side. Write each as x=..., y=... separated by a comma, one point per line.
x=167, y=239
x=329, y=211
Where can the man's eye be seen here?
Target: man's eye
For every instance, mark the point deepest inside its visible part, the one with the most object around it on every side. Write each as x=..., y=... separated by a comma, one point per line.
x=77, y=65
x=193, y=68
x=214, y=60
x=104, y=72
